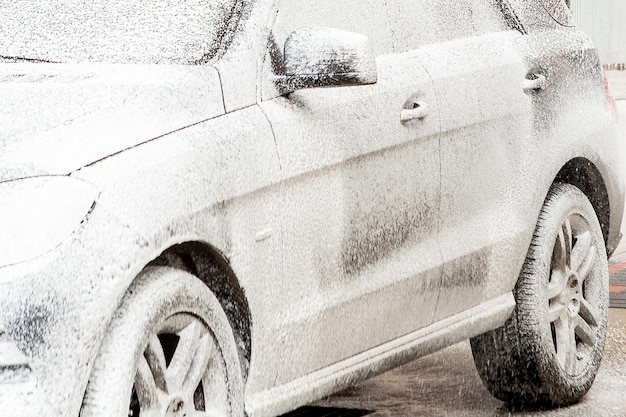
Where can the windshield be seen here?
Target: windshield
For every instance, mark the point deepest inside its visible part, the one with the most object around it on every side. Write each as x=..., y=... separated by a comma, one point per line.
x=114, y=31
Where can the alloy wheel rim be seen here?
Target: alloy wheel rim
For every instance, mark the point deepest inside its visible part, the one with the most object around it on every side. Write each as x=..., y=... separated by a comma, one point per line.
x=572, y=315
x=180, y=373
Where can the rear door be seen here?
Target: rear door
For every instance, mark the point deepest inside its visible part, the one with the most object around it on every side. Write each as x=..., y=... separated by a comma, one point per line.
x=360, y=204
x=572, y=102
x=470, y=52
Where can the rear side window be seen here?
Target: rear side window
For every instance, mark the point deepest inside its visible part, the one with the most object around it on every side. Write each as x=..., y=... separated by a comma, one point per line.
x=424, y=22
x=559, y=10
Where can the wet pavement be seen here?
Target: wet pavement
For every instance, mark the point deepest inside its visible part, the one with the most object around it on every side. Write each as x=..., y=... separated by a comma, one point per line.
x=446, y=383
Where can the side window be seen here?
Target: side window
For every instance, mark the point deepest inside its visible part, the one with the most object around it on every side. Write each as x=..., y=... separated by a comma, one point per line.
x=423, y=22
x=559, y=10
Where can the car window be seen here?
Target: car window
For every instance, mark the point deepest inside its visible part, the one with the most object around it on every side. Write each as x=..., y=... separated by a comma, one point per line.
x=115, y=31
x=559, y=10
x=367, y=17
x=425, y=22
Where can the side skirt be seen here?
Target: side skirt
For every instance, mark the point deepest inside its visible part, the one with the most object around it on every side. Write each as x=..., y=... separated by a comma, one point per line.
x=311, y=387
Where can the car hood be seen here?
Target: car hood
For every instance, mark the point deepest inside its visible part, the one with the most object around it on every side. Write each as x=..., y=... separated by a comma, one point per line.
x=56, y=118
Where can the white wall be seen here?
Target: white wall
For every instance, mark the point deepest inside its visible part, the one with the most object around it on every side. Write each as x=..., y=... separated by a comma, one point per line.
x=605, y=22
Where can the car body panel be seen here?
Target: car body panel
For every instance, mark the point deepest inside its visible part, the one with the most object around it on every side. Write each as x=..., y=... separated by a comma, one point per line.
x=56, y=311
x=573, y=111
x=487, y=172
x=372, y=231
x=75, y=114
x=240, y=65
x=211, y=189
x=381, y=358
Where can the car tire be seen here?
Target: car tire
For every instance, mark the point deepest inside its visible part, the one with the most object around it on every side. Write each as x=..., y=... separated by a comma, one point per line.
x=549, y=350
x=169, y=350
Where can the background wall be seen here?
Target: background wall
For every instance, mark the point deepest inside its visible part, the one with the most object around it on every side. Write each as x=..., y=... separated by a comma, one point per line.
x=605, y=22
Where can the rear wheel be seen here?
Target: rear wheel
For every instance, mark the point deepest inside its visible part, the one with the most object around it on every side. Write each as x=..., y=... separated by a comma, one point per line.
x=549, y=351
x=169, y=352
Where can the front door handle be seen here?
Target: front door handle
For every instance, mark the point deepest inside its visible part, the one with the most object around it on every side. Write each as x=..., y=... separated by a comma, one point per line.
x=534, y=82
x=419, y=110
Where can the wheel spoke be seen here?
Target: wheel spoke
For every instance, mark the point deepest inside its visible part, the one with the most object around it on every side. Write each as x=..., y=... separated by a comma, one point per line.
x=555, y=311
x=580, y=251
x=198, y=367
x=584, y=332
x=145, y=387
x=588, y=312
x=571, y=357
x=563, y=339
x=156, y=361
x=587, y=264
x=182, y=360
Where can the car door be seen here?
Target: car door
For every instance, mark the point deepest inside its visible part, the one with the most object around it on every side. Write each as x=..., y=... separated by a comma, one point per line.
x=469, y=50
x=567, y=64
x=360, y=208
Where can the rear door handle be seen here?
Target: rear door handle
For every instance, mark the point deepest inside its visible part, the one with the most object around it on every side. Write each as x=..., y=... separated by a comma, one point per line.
x=418, y=111
x=534, y=82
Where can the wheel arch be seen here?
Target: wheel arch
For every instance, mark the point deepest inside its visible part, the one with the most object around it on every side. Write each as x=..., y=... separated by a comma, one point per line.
x=212, y=268
x=583, y=174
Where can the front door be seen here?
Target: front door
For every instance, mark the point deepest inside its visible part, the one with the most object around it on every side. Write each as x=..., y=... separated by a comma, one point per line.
x=360, y=197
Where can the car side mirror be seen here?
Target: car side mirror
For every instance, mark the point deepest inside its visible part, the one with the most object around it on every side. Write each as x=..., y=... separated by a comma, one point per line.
x=326, y=57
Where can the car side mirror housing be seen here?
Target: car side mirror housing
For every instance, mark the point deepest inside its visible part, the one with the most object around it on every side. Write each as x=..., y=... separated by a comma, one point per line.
x=326, y=57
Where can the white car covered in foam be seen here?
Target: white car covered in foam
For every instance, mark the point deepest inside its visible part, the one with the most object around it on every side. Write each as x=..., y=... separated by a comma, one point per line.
x=193, y=223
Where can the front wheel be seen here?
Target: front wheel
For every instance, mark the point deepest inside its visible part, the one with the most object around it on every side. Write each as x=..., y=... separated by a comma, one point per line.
x=169, y=352
x=549, y=351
